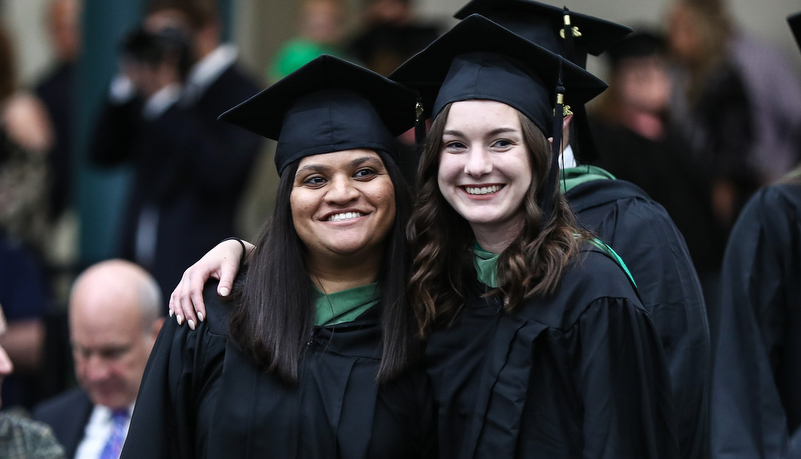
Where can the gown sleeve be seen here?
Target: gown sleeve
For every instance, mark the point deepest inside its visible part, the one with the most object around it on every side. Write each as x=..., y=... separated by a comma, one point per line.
x=182, y=366
x=756, y=352
x=624, y=384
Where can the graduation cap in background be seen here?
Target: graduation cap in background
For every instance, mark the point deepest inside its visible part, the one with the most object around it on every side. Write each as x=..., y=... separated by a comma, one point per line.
x=567, y=33
x=795, y=25
x=478, y=59
x=638, y=44
x=328, y=105
x=570, y=34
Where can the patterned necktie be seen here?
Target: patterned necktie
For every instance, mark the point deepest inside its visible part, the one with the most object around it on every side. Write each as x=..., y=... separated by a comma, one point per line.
x=117, y=438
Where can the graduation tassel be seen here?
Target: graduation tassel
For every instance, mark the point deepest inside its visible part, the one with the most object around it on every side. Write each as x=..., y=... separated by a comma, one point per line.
x=419, y=125
x=550, y=190
x=569, y=32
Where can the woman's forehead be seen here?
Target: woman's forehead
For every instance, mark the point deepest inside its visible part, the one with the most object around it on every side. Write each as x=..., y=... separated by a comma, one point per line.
x=481, y=111
x=338, y=159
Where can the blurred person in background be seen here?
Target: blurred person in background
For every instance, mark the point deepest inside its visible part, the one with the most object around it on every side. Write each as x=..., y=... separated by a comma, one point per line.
x=25, y=140
x=21, y=438
x=390, y=33
x=26, y=137
x=756, y=331
x=114, y=318
x=25, y=297
x=56, y=90
x=637, y=142
x=321, y=30
x=737, y=102
x=191, y=169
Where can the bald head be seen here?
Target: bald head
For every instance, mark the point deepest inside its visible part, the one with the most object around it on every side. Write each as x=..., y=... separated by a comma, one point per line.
x=114, y=320
x=115, y=287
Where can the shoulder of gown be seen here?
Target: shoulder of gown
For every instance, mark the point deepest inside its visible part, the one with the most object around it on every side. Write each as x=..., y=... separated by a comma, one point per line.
x=756, y=329
x=182, y=364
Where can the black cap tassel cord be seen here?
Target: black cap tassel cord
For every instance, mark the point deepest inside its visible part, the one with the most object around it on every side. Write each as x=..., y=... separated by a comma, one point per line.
x=550, y=191
x=419, y=125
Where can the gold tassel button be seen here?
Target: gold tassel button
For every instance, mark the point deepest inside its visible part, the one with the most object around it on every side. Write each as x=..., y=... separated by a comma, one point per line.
x=575, y=30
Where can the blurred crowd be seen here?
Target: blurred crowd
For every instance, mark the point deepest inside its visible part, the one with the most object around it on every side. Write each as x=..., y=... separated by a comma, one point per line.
x=697, y=114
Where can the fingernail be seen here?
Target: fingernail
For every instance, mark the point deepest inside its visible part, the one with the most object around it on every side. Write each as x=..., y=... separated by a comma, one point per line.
x=224, y=291
x=191, y=323
x=172, y=313
x=200, y=317
x=179, y=319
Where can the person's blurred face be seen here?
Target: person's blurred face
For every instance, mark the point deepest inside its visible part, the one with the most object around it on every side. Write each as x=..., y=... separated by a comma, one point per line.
x=683, y=38
x=64, y=29
x=484, y=165
x=322, y=21
x=5, y=363
x=343, y=204
x=643, y=83
x=110, y=348
x=387, y=12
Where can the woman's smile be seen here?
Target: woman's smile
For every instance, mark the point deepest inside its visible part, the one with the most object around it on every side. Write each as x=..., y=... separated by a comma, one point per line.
x=482, y=190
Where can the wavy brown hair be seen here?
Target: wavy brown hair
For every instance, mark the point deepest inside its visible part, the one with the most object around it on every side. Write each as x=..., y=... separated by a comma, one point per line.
x=443, y=240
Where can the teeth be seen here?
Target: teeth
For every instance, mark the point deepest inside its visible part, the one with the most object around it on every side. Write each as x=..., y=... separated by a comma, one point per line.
x=482, y=190
x=345, y=216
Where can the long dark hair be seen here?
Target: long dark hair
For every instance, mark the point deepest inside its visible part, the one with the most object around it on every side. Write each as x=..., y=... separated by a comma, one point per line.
x=442, y=240
x=274, y=315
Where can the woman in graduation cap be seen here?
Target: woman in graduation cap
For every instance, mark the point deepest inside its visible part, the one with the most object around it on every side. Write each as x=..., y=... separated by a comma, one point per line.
x=314, y=357
x=538, y=344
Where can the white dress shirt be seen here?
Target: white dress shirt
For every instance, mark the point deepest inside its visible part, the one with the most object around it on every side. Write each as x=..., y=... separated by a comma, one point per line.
x=567, y=160
x=206, y=72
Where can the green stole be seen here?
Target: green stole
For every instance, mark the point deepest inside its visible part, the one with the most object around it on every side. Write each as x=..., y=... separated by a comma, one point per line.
x=486, y=263
x=345, y=305
x=574, y=176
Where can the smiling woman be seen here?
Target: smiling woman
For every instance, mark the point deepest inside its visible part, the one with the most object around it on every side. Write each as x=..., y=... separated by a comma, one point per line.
x=538, y=344
x=316, y=355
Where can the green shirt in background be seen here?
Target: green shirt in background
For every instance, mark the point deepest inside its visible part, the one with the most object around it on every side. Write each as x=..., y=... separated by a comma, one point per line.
x=296, y=53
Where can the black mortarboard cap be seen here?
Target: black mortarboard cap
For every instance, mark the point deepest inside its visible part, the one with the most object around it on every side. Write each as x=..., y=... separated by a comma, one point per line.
x=795, y=26
x=545, y=24
x=478, y=59
x=328, y=105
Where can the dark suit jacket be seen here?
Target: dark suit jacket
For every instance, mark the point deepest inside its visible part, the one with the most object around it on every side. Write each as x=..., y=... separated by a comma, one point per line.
x=67, y=414
x=190, y=166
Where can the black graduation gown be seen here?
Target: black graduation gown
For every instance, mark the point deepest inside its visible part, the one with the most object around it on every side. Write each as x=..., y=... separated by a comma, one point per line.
x=644, y=236
x=201, y=398
x=667, y=172
x=577, y=374
x=756, y=396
